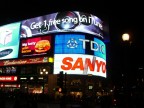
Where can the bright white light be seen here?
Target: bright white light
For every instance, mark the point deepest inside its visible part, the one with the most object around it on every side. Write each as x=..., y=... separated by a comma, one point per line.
x=44, y=70
x=111, y=90
x=67, y=26
x=40, y=78
x=31, y=78
x=125, y=37
x=23, y=78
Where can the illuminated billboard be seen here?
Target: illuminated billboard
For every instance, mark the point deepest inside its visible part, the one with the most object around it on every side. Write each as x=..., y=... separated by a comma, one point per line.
x=35, y=46
x=79, y=64
x=8, y=78
x=10, y=85
x=79, y=54
x=68, y=21
x=35, y=60
x=69, y=44
x=99, y=48
x=79, y=44
x=76, y=39
x=9, y=41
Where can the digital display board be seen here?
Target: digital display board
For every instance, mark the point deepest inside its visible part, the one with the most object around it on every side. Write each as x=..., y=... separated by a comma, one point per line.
x=67, y=21
x=79, y=64
x=69, y=44
x=99, y=48
x=8, y=78
x=25, y=61
x=35, y=46
x=9, y=41
x=79, y=44
x=10, y=85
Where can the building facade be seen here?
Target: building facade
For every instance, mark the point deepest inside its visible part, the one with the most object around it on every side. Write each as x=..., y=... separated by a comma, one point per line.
x=34, y=51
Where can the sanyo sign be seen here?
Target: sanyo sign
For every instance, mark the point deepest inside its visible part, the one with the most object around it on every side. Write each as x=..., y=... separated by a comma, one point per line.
x=80, y=64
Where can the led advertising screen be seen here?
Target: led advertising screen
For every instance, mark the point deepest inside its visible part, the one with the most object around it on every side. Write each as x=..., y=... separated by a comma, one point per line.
x=79, y=44
x=69, y=44
x=25, y=61
x=8, y=78
x=79, y=64
x=67, y=21
x=9, y=41
x=35, y=46
x=99, y=48
x=10, y=85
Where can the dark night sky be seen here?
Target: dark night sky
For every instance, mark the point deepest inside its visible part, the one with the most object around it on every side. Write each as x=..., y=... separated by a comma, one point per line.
x=121, y=17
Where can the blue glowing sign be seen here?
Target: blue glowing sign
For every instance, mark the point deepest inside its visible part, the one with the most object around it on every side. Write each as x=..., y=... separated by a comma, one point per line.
x=69, y=44
x=99, y=48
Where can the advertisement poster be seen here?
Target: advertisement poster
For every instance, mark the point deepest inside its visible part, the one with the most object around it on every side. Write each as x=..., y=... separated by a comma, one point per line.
x=79, y=44
x=99, y=48
x=9, y=41
x=35, y=60
x=69, y=44
x=79, y=64
x=67, y=21
x=8, y=78
x=35, y=46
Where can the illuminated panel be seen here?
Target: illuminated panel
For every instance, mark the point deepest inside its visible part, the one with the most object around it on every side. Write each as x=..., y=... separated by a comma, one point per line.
x=69, y=44
x=67, y=21
x=24, y=61
x=35, y=46
x=9, y=41
x=79, y=64
x=10, y=85
x=99, y=48
x=8, y=78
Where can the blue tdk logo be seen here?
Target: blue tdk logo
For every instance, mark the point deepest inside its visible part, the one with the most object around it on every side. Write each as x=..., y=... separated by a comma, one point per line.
x=69, y=44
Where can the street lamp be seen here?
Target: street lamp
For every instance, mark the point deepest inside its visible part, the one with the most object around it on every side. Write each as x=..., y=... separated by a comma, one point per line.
x=125, y=37
x=43, y=71
x=127, y=55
